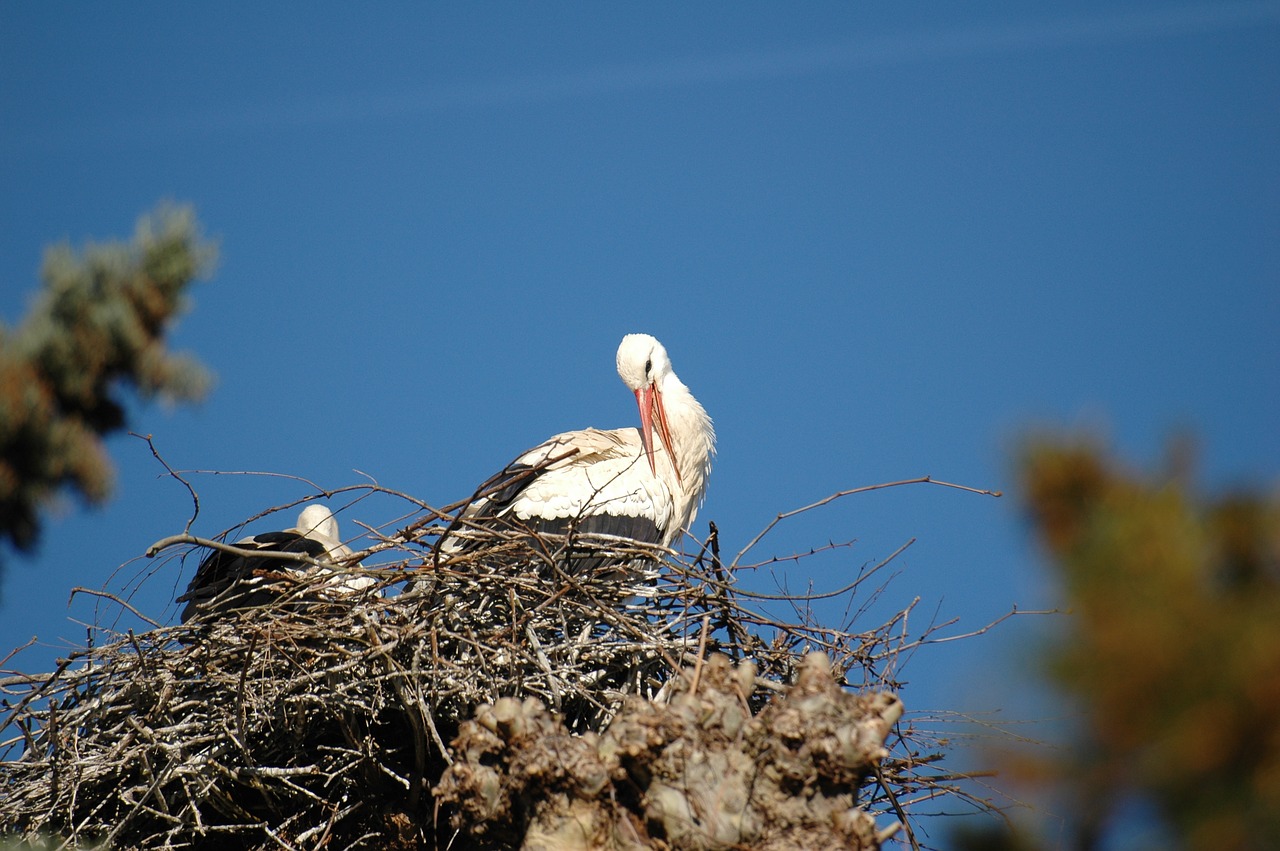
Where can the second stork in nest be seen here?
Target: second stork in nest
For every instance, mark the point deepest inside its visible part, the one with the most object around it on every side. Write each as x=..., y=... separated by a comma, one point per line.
x=254, y=575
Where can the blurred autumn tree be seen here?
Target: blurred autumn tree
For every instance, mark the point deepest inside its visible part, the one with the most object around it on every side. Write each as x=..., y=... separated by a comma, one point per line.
x=97, y=325
x=1171, y=651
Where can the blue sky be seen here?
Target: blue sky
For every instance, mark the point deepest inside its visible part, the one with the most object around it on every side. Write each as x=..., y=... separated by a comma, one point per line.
x=878, y=244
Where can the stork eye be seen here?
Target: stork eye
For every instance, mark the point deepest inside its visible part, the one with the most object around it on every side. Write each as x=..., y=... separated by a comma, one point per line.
x=648, y=365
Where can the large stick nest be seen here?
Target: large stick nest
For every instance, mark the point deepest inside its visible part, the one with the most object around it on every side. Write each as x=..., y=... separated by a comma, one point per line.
x=343, y=721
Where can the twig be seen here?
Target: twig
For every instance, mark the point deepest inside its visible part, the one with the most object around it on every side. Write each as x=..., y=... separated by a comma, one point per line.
x=15, y=651
x=702, y=649
x=923, y=480
x=174, y=540
x=195, y=512
x=80, y=589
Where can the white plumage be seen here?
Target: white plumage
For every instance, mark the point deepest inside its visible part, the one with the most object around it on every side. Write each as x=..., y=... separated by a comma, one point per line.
x=318, y=523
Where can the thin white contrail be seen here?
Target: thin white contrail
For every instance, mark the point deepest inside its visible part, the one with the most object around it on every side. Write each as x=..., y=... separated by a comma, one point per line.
x=869, y=52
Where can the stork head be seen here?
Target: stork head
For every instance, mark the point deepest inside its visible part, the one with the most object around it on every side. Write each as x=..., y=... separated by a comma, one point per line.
x=643, y=366
x=317, y=521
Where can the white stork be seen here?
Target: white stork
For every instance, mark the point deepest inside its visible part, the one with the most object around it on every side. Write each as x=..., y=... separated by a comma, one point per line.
x=644, y=484
x=225, y=581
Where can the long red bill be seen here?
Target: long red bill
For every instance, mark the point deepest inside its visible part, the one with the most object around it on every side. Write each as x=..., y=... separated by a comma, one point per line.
x=645, y=404
x=649, y=399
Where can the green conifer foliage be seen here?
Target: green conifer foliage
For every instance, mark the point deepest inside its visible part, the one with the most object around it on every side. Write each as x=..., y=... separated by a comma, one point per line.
x=96, y=328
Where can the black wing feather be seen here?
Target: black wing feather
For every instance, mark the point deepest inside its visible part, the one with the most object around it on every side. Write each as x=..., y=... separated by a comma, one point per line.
x=640, y=529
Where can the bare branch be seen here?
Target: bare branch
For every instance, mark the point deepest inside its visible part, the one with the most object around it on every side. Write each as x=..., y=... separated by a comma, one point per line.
x=174, y=540
x=923, y=480
x=79, y=589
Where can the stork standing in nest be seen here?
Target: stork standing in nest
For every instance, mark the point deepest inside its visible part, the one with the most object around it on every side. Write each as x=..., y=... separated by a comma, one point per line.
x=640, y=484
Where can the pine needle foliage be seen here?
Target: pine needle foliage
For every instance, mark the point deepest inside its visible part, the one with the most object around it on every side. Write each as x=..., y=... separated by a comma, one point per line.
x=96, y=327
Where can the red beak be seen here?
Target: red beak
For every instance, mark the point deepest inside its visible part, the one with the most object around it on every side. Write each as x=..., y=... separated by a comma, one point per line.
x=649, y=400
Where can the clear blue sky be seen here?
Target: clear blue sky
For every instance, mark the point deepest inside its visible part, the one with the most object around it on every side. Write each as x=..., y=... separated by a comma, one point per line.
x=878, y=243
